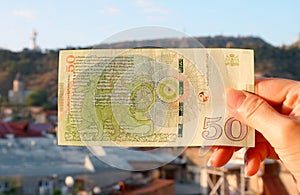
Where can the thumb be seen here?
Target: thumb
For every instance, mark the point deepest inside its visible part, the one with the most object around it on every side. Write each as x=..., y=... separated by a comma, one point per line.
x=281, y=131
x=255, y=112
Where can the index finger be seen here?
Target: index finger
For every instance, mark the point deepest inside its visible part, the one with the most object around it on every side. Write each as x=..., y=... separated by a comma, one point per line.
x=274, y=90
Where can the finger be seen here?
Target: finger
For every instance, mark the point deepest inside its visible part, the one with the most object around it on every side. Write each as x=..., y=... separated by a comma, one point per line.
x=273, y=90
x=277, y=92
x=252, y=162
x=253, y=158
x=257, y=113
x=221, y=156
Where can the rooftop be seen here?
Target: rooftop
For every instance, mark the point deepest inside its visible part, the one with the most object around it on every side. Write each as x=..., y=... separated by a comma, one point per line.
x=41, y=156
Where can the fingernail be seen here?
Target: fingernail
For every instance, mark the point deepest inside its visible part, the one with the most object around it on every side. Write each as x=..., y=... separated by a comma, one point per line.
x=210, y=161
x=246, y=169
x=235, y=98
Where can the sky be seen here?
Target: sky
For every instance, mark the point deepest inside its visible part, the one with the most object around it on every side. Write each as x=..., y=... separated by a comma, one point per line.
x=66, y=23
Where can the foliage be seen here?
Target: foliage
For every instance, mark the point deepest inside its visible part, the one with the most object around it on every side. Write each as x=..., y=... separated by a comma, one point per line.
x=56, y=192
x=16, y=118
x=37, y=97
x=50, y=106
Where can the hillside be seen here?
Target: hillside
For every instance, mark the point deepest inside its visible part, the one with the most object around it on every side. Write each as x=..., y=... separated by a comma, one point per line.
x=39, y=69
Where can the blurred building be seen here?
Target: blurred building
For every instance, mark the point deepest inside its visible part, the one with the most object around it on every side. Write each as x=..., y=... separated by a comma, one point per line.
x=18, y=93
x=36, y=165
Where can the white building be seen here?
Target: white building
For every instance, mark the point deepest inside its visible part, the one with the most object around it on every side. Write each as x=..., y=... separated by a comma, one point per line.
x=17, y=94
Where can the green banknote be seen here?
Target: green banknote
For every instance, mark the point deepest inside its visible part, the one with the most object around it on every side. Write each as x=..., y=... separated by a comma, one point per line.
x=152, y=97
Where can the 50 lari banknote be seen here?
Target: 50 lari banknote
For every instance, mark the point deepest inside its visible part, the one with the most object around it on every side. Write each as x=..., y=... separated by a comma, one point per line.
x=152, y=97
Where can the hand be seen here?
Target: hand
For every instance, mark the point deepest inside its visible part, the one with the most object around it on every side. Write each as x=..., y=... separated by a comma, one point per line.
x=275, y=114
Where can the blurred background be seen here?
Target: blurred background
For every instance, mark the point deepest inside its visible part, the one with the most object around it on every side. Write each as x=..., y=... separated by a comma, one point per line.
x=33, y=32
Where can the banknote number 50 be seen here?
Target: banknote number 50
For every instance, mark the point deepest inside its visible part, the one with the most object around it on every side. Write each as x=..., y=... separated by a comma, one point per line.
x=213, y=130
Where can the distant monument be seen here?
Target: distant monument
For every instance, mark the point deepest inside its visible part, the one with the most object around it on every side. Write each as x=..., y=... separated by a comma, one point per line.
x=33, y=45
x=17, y=94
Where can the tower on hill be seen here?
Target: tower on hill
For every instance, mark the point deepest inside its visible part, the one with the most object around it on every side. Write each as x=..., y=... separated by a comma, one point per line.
x=33, y=44
x=33, y=40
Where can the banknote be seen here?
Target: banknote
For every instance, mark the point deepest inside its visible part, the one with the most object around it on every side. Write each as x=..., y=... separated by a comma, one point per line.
x=152, y=97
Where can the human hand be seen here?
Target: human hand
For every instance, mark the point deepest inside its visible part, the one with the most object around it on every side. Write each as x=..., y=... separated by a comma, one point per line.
x=275, y=113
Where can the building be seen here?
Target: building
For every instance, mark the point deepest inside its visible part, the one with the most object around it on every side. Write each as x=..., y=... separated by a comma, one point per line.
x=36, y=165
x=39, y=166
x=21, y=129
x=18, y=93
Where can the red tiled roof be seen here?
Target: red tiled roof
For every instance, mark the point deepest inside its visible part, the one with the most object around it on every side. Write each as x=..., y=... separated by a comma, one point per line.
x=5, y=128
x=18, y=129
x=19, y=125
x=50, y=112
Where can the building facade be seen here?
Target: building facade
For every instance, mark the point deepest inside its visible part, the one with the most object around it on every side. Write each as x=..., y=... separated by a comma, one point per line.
x=18, y=93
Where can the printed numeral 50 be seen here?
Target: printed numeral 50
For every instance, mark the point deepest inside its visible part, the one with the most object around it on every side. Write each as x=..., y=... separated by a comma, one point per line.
x=213, y=130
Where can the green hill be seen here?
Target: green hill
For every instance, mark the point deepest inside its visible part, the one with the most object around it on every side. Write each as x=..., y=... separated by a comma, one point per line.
x=39, y=69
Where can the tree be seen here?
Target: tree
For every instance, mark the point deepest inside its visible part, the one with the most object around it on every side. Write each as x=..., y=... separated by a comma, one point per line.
x=38, y=97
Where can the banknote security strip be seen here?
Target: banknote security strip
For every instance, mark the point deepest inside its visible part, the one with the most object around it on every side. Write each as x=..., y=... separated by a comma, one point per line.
x=181, y=92
x=152, y=97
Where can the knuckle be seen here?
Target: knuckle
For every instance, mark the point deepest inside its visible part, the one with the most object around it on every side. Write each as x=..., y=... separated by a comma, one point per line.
x=252, y=108
x=291, y=128
x=289, y=133
x=293, y=124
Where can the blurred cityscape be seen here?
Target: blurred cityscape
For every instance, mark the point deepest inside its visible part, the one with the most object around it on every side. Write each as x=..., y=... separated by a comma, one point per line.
x=31, y=162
